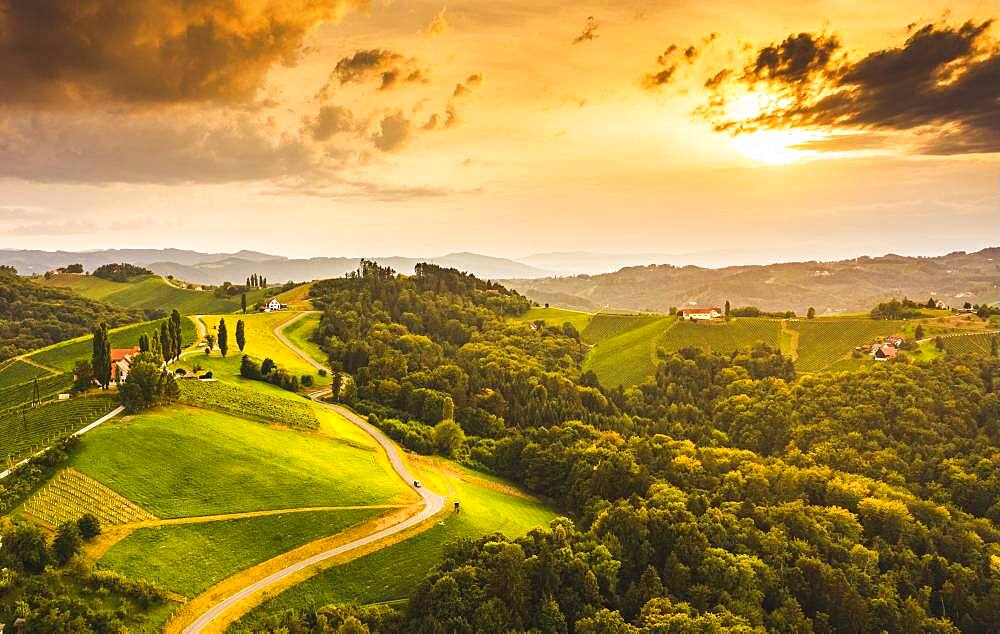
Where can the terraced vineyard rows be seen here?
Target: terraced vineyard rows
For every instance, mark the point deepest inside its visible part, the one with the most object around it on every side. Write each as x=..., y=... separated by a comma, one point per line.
x=25, y=431
x=246, y=403
x=14, y=371
x=71, y=494
x=606, y=325
x=736, y=334
x=823, y=342
x=48, y=387
x=974, y=344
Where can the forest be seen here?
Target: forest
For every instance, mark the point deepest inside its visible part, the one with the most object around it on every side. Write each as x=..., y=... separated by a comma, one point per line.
x=725, y=494
x=33, y=316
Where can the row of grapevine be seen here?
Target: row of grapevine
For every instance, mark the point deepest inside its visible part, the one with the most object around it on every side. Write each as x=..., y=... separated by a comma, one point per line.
x=823, y=342
x=245, y=403
x=980, y=344
x=70, y=494
x=15, y=372
x=722, y=337
x=26, y=430
x=24, y=392
x=606, y=325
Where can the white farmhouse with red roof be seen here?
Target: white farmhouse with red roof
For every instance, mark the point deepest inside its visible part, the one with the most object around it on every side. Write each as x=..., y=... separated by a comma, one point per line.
x=701, y=313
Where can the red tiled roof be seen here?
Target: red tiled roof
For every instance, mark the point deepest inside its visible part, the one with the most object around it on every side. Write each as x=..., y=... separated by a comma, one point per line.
x=117, y=354
x=701, y=310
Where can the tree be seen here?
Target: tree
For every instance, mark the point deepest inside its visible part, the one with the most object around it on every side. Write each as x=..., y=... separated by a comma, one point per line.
x=100, y=358
x=209, y=343
x=918, y=334
x=165, y=345
x=727, y=309
x=143, y=343
x=24, y=549
x=243, y=305
x=178, y=340
x=67, y=542
x=448, y=437
x=83, y=375
x=147, y=384
x=241, y=337
x=154, y=344
x=811, y=313
x=939, y=343
x=931, y=303
x=89, y=525
x=223, y=337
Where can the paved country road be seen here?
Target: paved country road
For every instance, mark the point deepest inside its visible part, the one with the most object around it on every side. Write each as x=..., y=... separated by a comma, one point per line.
x=433, y=503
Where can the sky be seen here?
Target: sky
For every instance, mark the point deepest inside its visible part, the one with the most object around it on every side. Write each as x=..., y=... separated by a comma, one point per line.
x=348, y=128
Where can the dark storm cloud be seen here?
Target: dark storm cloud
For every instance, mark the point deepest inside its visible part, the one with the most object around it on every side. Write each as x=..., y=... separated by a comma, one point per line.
x=389, y=67
x=942, y=84
x=589, y=32
x=66, y=52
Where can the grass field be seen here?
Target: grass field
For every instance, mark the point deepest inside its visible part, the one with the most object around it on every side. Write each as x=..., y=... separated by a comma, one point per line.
x=14, y=372
x=260, y=343
x=300, y=331
x=181, y=462
x=190, y=558
x=488, y=505
x=296, y=298
x=151, y=292
x=23, y=432
x=64, y=354
x=627, y=358
x=557, y=317
x=825, y=341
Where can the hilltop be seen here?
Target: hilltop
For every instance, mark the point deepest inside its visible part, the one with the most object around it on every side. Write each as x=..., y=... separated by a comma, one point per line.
x=843, y=286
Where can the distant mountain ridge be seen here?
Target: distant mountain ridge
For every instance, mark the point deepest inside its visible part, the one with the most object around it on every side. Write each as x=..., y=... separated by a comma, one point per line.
x=843, y=286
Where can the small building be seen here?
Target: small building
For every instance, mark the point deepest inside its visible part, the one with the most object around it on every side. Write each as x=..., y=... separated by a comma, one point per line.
x=895, y=341
x=121, y=362
x=703, y=314
x=273, y=305
x=884, y=353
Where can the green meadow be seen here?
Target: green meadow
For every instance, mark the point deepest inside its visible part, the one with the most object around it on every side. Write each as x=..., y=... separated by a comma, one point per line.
x=151, y=292
x=488, y=505
x=557, y=317
x=630, y=357
x=183, y=462
x=299, y=331
x=190, y=558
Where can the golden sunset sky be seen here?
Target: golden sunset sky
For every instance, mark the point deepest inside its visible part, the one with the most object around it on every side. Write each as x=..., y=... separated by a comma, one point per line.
x=812, y=129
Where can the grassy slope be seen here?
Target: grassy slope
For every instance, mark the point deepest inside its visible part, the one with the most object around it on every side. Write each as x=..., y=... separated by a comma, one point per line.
x=180, y=462
x=189, y=558
x=151, y=291
x=300, y=331
x=824, y=342
x=488, y=506
x=607, y=325
x=296, y=298
x=14, y=372
x=63, y=355
x=628, y=358
x=557, y=317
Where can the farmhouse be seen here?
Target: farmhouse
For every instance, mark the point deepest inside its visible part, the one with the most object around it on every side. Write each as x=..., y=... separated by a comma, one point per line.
x=895, y=341
x=121, y=361
x=273, y=305
x=701, y=313
x=884, y=353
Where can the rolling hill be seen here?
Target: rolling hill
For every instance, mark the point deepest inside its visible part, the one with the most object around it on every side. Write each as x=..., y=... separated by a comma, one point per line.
x=844, y=286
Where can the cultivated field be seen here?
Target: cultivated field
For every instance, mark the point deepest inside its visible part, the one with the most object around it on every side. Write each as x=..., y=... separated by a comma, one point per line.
x=151, y=291
x=557, y=317
x=607, y=325
x=26, y=430
x=249, y=403
x=70, y=494
x=182, y=462
x=190, y=558
x=487, y=505
x=823, y=342
x=23, y=393
x=14, y=372
x=972, y=344
x=740, y=332
x=627, y=358
x=64, y=354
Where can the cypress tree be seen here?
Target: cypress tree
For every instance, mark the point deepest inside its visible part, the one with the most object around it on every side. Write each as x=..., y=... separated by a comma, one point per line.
x=223, y=337
x=241, y=338
x=170, y=351
x=100, y=358
x=154, y=344
x=243, y=303
x=175, y=319
x=164, y=341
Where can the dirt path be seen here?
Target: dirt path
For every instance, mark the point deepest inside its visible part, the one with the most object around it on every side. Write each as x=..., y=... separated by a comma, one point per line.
x=433, y=503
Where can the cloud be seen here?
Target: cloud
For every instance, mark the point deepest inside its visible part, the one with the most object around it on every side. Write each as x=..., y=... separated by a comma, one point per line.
x=438, y=25
x=667, y=67
x=589, y=32
x=389, y=67
x=394, y=132
x=939, y=91
x=329, y=121
x=67, y=53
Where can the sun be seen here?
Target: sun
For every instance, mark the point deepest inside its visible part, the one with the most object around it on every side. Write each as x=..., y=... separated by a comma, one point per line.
x=774, y=147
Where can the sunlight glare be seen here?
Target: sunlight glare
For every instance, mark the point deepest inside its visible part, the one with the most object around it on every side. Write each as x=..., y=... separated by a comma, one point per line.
x=774, y=147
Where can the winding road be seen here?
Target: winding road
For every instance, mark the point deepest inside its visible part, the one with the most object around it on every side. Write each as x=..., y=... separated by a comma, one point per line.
x=433, y=503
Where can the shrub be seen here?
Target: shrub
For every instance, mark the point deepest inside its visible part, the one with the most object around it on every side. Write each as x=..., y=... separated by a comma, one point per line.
x=306, y=380
x=67, y=542
x=322, y=371
x=89, y=525
x=24, y=550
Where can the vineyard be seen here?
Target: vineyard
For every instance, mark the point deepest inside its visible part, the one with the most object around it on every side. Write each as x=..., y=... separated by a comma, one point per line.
x=22, y=393
x=23, y=431
x=823, y=342
x=628, y=358
x=70, y=494
x=979, y=344
x=13, y=372
x=245, y=403
x=557, y=317
x=727, y=337
x=606, y=325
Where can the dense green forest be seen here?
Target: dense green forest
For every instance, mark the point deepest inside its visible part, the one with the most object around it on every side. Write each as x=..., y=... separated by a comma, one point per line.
x=725, y=494
x=33, y=316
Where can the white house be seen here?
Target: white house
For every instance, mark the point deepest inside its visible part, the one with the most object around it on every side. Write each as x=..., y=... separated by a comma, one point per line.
x=273, y=305
x=701, y=313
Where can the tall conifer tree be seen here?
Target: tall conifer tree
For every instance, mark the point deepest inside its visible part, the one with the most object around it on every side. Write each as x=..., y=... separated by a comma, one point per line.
x=223, y=337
